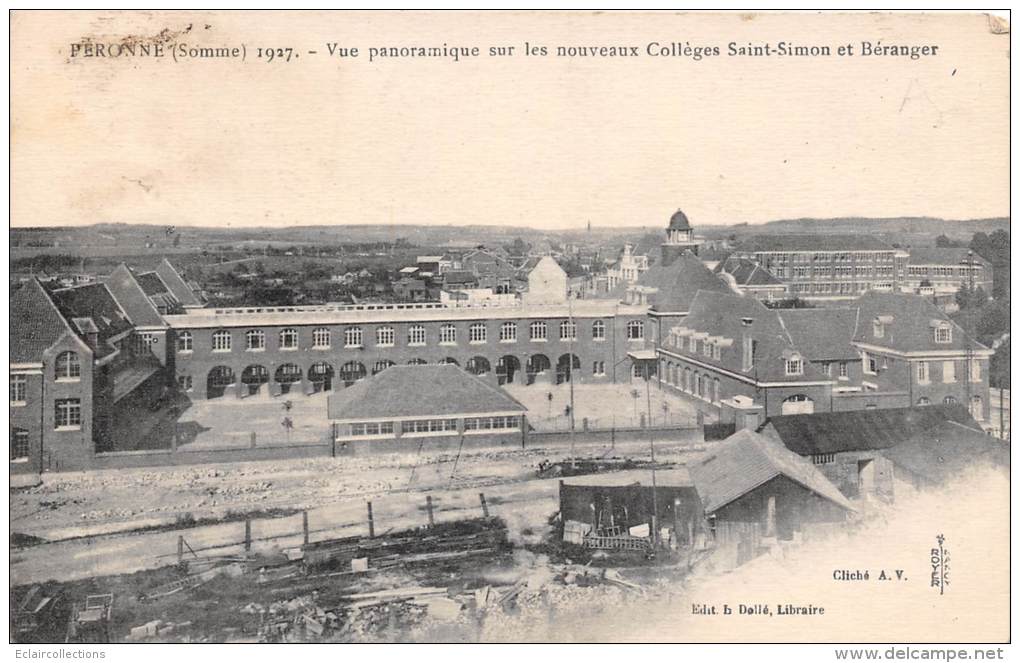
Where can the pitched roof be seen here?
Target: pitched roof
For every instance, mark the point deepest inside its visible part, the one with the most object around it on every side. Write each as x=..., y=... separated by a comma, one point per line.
x=746, y=460
x=132, y=298
x=747, y=272
x=942, y=256
x=151, y=283
x=822, y=333
x=36, y=324
x=861, y=430
x=911, y=327
x=173, y=280
x=459, y=276
x=434, y=390
x=757, y=243
x=679, y=282
x=947, y=449
x=723, y=314
x=94, y=301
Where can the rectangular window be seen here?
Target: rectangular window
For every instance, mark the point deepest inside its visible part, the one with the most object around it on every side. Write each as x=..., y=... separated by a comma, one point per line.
x=184, y=382
x=827, y=368
x=598, y=331
x=491, y=423
x=416, y=335
x=750, y=348
x=353, y=337
x=599, y=368
x=944, y=334
x=948, y=371
x=19, y=444
x=384, y=336
x=823, y=459
x=19, y=386
x=419, y=426
x=448, y=334
x=922, y=372
x=477, y=333
x=372, y=428
x=68, y=413
x=184, y=341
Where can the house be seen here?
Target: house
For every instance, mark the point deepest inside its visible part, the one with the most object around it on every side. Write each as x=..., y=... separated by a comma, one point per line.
x=411, y=290
x=547, y=283
x=753, y=490
x=627, y=268
x=621, y=505
x=431, y=407
x=848, y=447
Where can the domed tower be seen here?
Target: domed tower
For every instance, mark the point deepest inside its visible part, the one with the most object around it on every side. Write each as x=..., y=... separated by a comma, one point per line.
x=679, y=238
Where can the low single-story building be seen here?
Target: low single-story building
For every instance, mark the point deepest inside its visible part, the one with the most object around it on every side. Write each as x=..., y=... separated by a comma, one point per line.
x=752, y=488
x=622, y=503
x=848, y=446
x=425, y=407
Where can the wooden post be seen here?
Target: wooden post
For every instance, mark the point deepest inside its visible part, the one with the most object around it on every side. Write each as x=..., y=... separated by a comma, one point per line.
x=180, y=549
x=371, y=522
x=428, y=508
x=247, y=534
x=485, y=507
x=304, y=525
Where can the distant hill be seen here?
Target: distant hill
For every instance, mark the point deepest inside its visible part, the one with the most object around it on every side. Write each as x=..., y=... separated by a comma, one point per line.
x=896, y=226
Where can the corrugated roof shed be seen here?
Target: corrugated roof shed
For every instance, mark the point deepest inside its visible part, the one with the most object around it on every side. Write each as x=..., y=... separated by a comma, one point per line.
x=747, y=460
x=36, y=324
x=949, y=448
x=434, y=390
x=861, y=430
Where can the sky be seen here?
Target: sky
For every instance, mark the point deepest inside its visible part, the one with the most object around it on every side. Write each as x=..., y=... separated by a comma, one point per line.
x=547, y=142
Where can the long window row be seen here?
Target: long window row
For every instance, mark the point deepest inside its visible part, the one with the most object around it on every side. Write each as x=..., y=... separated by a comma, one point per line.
x=694, y=382
x=429, y=426
x=417, y=335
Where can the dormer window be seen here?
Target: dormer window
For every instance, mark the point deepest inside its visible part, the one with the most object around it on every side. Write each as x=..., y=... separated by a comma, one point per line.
x=794, y=365
x=878, y=329
x=943, y=334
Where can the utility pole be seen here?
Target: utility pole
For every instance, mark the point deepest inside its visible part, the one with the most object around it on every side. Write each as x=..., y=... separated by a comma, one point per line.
x=570, y=368
x=651, y=447
x=967, y=331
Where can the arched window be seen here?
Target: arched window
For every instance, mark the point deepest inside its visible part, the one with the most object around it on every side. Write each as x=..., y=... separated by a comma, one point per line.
x=635, y=330
x=221, y=341
x=448, y=334
x=68, y=366
x=381, y=366
x=477, y=333
x=715, y=390
x=568, y=330
x=416, y=335
x=687, y=380
x=598, y=330
x=185, y=341
x=255, y=339
x=478, y=366
x=924, y=400
x=508, y=332
x=538, y=331
x=320, y=338
x=353, y=337
x=288, y=339
x=949, y=400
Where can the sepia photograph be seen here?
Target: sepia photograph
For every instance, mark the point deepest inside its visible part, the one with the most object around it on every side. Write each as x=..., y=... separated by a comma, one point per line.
x=524, y=326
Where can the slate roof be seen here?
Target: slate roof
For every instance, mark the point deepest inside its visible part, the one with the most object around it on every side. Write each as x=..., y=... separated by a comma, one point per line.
x=434, y=390
x=722, y=314
x=822, y=333
x=746, y=460
x=35, y=323
x=173, y=280
x=861, y=430
x=132, y=298
x=757, y=243
x=747, y=272
x=94, y=301
x=942, y=256
x=944, y=451
x=679, y=282
x=910, y=329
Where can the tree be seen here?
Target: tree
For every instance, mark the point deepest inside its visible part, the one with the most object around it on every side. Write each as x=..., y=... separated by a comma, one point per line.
x=944, y=242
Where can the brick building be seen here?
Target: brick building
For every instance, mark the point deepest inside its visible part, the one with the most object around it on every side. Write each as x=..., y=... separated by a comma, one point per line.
x=946, y=270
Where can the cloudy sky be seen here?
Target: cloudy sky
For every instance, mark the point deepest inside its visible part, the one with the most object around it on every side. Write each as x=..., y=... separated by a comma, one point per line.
x=551, y=142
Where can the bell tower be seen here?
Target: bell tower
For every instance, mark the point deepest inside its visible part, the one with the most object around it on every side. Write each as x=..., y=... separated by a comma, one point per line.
x=679, y=238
